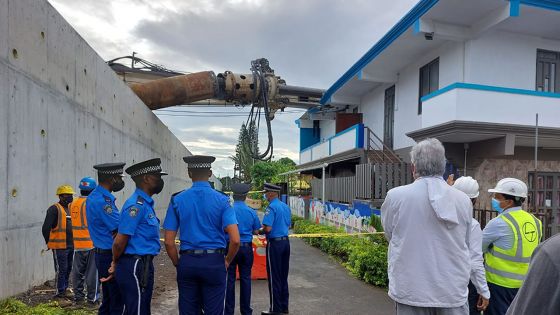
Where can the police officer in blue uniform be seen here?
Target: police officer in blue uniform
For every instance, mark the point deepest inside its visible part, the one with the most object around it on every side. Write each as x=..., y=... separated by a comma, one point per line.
x=137, y=241
x=248, y=224
x=202, y=216
x=103, y=222
x=276, y=223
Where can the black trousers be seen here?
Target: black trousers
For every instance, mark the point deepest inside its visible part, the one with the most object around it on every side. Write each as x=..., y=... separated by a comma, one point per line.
x=500, y=299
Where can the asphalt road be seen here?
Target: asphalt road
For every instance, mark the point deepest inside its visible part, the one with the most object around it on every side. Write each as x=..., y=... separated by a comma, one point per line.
x=318, y=285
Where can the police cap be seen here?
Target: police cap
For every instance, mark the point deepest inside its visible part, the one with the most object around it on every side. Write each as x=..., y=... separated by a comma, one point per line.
x=152, y=166
x=271, y=187
x=110, y=168
x=240, y=189
x=199, y=161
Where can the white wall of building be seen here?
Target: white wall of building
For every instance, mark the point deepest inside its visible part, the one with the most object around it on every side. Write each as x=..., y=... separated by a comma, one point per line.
x=505, y=59
x=491, y=107
x=406, y=93
x=328, y=129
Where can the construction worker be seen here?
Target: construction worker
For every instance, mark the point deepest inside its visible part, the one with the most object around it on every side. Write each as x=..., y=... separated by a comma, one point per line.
x=203, y=216
x=508, y=242
x=276, y=223
x=248, y=224
x=103, y=222
x=83, y=269
x=57, y=231
x=137, y=241
x=479, y=294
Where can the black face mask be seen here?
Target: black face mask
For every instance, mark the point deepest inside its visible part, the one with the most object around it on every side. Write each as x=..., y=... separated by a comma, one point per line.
x=65, y=201
x=159, y=186
x=118, y=185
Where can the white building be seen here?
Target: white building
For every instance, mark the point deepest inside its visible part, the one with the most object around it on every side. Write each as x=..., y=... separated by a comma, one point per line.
x=473, y=74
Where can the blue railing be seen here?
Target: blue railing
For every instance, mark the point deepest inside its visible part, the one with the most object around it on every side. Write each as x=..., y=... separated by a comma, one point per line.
x=359, y=138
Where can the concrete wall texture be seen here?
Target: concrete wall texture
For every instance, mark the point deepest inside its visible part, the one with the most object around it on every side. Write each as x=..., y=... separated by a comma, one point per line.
x=62, y=110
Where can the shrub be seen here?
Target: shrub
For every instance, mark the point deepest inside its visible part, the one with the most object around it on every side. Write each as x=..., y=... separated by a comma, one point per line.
x=364, y=257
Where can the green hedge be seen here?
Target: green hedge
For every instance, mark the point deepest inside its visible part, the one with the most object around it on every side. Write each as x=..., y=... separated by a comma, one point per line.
x=364, y=257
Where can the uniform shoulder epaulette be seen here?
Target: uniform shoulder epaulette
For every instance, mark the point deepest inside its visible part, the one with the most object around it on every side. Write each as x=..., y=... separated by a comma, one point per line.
x=140, y=200
x=107, y=199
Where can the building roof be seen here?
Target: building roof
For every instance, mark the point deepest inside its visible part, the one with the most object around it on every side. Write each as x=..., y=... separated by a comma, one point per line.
x=456, y=20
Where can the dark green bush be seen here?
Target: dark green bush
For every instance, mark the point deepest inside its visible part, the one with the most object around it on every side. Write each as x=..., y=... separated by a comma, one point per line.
x=364, y=257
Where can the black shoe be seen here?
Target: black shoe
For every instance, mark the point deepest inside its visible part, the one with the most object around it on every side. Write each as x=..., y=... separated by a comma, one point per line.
x=270, y=313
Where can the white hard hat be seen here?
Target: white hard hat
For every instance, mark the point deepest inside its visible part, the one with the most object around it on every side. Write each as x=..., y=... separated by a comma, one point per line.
x=510, y=186
x=468, y=185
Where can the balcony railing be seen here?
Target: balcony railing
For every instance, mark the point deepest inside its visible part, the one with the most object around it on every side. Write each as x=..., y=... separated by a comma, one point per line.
x=490, y=104
x=349, y=139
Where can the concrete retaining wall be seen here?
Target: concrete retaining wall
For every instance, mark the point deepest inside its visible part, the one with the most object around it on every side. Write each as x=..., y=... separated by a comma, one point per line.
x=62, y=110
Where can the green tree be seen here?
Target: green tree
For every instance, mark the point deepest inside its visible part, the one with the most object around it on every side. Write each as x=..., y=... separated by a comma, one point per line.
x=247, y=146
x=269, y=171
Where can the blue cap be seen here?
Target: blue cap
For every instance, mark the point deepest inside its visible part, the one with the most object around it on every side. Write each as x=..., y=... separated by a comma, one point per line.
x=240, y=188
x=87, y=184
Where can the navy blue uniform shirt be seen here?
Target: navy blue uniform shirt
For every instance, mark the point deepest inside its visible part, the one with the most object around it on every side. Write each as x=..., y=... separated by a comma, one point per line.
x=103, y=217
x=139, y=221
x=200, y=214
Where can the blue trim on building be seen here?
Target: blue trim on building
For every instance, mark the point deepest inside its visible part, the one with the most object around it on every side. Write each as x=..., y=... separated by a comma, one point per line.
x=543, y=4
x=480, y=87
x=514, y=7
x=308, y=137
x=407, y=21
x=412, y=18
x=416, y=27
x=360, y=128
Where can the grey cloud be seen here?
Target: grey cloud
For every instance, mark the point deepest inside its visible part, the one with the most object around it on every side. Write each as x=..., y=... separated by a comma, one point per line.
x=309, y=43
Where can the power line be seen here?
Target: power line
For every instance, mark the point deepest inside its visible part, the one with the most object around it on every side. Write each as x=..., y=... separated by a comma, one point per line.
x=222, y=112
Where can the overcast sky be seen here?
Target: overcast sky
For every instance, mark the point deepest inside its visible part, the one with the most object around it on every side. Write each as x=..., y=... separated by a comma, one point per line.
x=308, y=42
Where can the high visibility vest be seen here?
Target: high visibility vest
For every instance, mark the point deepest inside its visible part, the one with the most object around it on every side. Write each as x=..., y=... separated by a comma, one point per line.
x=57, y=237
x=80, y=231
x=508, y=267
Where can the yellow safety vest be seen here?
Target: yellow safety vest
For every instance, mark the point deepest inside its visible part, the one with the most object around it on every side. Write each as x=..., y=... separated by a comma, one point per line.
x=57, y=237
x=82, y=239
x=508, y=267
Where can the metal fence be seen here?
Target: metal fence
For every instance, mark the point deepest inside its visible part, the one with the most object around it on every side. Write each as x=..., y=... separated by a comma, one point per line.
x=372, y=181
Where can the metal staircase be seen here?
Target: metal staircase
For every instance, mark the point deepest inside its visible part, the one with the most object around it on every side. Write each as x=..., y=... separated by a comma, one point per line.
x=377, y=151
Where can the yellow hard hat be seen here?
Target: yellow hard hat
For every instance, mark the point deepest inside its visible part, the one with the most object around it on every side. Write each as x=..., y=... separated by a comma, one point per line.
x=65, y=190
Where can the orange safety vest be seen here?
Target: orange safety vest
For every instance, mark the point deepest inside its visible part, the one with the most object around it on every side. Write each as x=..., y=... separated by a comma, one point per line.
x=82, y=240
x=57, y=237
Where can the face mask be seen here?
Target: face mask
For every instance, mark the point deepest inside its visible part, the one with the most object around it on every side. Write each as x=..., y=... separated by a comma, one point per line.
x=159, y=186
x=66, y=200
x=496, y=205
x=118, y=186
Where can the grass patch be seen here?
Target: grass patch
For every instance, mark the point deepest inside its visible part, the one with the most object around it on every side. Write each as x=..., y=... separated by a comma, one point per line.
x=16, y=307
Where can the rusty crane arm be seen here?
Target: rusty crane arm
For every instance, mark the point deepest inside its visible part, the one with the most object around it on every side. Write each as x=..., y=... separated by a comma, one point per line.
x=261, y=88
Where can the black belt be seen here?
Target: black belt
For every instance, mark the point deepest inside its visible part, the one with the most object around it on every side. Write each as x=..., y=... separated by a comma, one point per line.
x=135, y=256
x=246, y=244
x=103, y=251
x=203, y=251
x=274, y=239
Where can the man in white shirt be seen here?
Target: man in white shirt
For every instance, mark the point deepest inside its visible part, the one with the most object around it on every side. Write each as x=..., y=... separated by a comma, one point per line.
x=479, y=293
x=427, y=224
